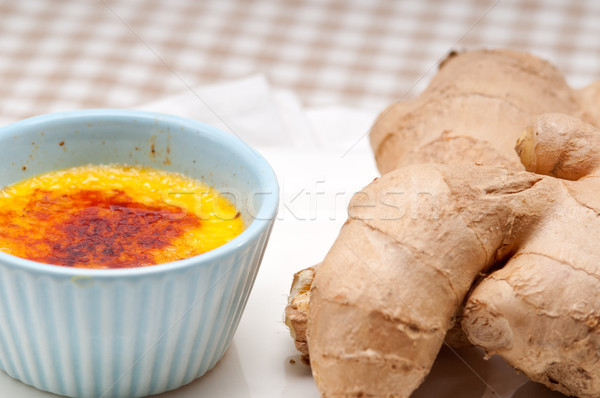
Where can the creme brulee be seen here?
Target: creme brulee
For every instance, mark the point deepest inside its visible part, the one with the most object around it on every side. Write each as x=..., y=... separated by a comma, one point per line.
x=113, y=216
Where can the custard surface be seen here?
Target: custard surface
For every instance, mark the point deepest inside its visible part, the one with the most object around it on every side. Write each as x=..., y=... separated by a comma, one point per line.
x=113, y=216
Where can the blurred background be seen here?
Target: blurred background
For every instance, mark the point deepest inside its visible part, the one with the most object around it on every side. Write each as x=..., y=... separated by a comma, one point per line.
x=69, y=54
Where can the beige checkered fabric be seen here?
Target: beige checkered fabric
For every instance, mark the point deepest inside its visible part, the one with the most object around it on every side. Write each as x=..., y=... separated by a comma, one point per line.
x=69, y=54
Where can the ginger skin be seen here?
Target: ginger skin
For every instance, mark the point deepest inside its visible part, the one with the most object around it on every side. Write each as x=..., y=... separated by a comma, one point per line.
x=296, y=311
x=385, y=294
x=541, y=311
x=560, y=146
x=474, y=110
x=416, y=239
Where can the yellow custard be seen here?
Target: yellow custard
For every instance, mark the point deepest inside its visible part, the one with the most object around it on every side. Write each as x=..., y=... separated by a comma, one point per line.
x=113, y=216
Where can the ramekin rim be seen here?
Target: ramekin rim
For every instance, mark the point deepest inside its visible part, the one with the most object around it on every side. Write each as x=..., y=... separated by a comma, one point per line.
x=264, y=217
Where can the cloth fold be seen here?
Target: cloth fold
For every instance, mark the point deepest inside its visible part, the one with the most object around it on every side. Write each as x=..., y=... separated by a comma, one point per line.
x=265, y=116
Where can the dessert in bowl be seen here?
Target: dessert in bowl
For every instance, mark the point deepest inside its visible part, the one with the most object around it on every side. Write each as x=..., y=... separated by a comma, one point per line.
x=114, y=216
x=130, y=331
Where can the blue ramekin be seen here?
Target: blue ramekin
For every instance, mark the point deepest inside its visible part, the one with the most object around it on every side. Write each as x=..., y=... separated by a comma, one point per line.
x=137, y=331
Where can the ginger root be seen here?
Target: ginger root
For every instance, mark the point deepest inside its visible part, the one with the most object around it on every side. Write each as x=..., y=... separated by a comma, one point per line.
x=560, y=146
x=417, y=239
x=474, y=110
x=296, y=311
x=541, y=311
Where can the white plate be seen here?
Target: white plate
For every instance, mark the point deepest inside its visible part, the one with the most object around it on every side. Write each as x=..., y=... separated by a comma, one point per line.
x=262, y=361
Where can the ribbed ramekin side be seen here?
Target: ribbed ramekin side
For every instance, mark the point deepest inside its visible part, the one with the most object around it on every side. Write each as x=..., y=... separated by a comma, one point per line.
x=187, y=302
x=237, y=282
x=15, y=346
x=123, y=337
x=197, y=313
x=40, y=335
x=195, y=337
x=242, y=286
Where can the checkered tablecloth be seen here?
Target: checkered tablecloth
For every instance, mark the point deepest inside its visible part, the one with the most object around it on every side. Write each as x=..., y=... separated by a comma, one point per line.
x=70, y=54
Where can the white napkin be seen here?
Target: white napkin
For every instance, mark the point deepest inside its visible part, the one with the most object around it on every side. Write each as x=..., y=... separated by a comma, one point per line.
x=264, y=116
